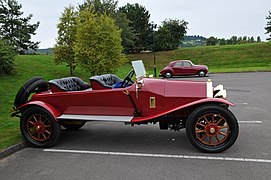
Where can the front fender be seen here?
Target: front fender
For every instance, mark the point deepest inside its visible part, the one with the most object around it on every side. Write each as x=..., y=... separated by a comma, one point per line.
x=198, y=102
x=55, y=113
x=166, y=70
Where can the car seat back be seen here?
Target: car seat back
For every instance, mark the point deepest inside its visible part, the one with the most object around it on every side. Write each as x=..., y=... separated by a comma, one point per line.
x=68, y=84
x=105, y=81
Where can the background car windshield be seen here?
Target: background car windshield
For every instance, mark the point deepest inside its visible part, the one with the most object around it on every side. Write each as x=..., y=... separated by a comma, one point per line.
x=139, y=68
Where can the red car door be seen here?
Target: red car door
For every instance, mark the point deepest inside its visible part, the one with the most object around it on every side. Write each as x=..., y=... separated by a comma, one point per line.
x=178, y=68
x=183, y=68
x=187, y=68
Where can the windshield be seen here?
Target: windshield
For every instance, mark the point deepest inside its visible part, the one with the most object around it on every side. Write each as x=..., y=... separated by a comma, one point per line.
x=139, y=68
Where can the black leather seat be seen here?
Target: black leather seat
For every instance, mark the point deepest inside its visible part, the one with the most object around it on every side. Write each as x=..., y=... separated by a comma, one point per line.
x=104, y=81
x=69, y=84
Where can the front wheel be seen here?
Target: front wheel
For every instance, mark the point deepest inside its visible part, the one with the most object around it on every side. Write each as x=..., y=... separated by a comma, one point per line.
x=212, y=129
x=39, y=128
x=201, y=73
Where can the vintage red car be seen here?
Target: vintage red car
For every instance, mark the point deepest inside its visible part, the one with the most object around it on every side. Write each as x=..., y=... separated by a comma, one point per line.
x=183, y=67
x=71, y=102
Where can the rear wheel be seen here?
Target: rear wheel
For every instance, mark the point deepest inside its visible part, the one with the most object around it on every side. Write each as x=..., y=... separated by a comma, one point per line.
x=168, y=74
x=212, y=129
x=39, y=128
x=73, y=125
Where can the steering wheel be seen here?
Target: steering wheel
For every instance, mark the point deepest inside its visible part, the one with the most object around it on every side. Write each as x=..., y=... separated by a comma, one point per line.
x=128, y=79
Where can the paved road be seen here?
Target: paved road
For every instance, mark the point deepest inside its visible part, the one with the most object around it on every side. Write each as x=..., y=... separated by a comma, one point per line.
x=115, y=151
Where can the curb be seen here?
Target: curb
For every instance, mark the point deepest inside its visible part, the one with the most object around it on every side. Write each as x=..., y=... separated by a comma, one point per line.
x=12, y=149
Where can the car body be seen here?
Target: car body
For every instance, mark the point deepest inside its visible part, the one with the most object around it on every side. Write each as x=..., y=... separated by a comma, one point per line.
x=183, y=67
x=196, y=106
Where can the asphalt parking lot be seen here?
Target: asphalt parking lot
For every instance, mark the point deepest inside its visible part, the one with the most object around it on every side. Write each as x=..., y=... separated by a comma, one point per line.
x=114, y=151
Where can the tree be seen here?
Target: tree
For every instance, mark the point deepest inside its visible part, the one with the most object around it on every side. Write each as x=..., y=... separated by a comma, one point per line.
x=110, y=8
x=128, y=35
x=252, y=40
x=268, y=26
x=170, y=34
x=259, y=39
x=141, y=26
x=211, y=41
x=6, y=58
x=16, y=29
x=234, y=39
x=222, y=41
x=98, y=43
x=64, y=48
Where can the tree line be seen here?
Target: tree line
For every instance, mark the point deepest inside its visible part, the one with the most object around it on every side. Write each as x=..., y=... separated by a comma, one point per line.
x=213, y=41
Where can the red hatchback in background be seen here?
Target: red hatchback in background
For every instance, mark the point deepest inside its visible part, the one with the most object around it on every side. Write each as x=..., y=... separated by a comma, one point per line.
x=183, y=67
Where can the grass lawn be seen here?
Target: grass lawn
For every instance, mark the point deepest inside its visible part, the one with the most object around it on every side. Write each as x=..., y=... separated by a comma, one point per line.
x=238, y=58
x=229, y=58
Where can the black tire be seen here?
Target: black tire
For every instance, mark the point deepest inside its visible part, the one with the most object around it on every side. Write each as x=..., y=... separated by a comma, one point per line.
x=201, y=73
x=39, y=128
x=23, y=88
x=73, y=125
x=168, y=74
x=212, y=128
x=36, y=84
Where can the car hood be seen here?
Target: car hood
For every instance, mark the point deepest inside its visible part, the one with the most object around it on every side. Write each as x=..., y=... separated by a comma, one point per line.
x=193, y=89
x=174, y=88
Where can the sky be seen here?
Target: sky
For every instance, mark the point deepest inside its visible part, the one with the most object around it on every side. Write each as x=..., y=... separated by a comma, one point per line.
x=219, y=18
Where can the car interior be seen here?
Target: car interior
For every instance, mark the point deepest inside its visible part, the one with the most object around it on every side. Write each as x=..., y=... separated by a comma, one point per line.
x=105, y=81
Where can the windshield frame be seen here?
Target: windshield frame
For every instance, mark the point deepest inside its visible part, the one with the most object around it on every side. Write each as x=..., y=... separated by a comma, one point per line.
x=139, y=69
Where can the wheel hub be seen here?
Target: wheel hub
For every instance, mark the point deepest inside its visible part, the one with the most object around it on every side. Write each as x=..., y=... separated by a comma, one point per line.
x=212, y=129
x=39, y=127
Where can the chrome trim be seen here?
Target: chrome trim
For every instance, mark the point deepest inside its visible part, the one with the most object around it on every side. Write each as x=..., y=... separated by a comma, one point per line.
x=95, y=118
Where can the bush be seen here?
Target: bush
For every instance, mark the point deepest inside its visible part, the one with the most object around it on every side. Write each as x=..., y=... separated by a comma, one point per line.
x=98, y=47
x=6, y=58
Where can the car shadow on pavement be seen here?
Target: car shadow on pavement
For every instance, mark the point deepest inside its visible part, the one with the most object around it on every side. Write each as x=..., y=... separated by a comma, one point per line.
x=147, y=139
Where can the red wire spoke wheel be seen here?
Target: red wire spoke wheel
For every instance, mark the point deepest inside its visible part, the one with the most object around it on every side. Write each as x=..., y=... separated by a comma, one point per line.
x=212, y=128
x=38, y=127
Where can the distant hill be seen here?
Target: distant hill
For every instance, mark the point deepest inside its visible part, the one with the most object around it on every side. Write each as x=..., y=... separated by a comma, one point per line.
x=193, y=41
x=47, y=51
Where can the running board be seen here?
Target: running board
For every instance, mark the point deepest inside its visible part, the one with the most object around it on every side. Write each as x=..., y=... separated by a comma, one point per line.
x=95, y=118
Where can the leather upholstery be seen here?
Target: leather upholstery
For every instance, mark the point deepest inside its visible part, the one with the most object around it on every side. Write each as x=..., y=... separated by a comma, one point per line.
x=69, y=84
x=104, y=81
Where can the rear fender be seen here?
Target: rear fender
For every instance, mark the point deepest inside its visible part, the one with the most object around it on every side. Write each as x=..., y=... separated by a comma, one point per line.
x=195, y=103
x=55, y=113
